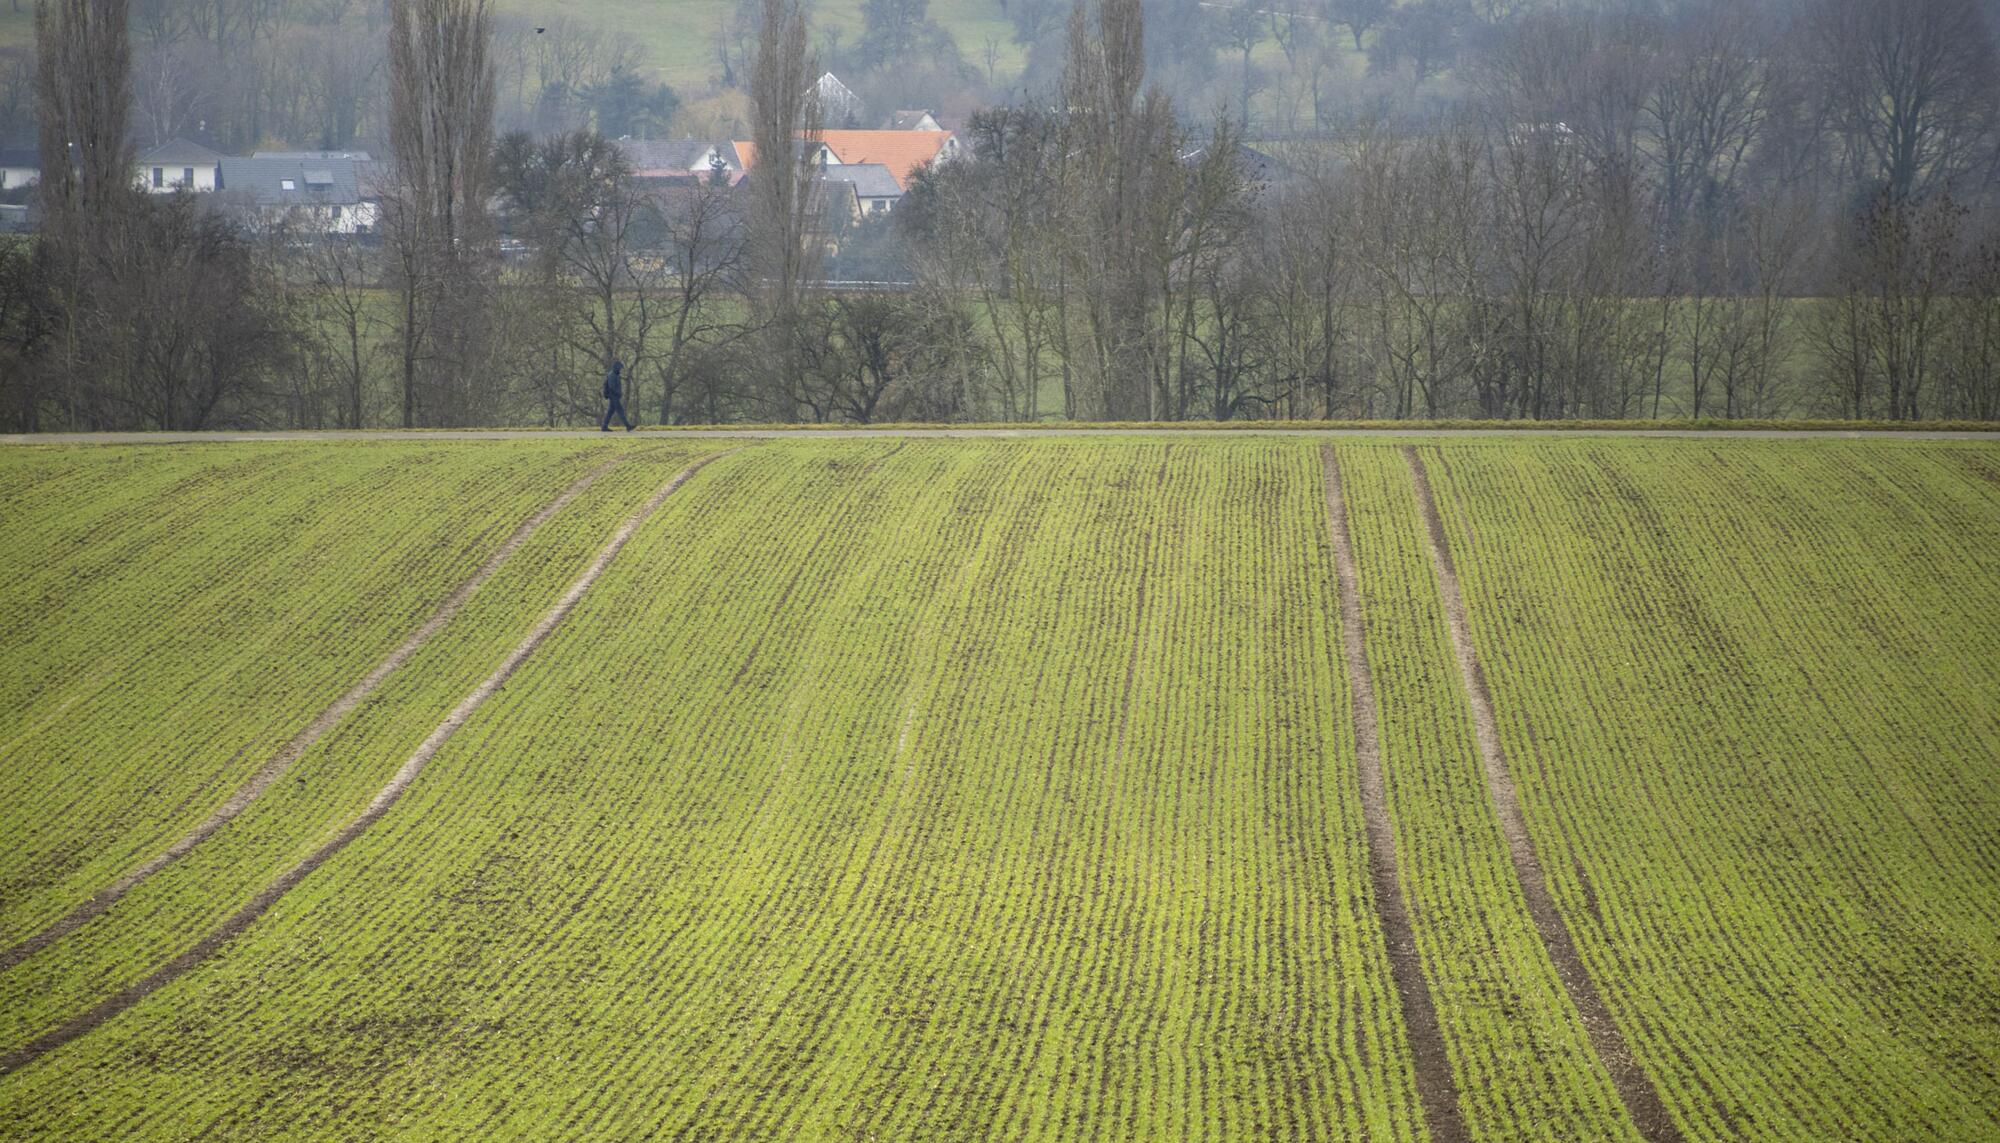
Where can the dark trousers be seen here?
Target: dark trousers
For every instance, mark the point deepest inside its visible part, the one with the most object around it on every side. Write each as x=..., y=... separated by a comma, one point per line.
x=618, y=407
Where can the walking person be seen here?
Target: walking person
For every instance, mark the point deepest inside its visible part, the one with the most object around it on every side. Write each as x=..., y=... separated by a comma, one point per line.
x=614, y=392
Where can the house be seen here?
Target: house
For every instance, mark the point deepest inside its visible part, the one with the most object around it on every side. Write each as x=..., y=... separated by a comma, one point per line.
x=875, y=189
x=179, y=165
x=903, y=152
x=746, y=154
x=19, y=168
x=313, y=156
x=837, y=104
x=334, y=193
x=912, y=121
x=1260, y=167
x=665, y=159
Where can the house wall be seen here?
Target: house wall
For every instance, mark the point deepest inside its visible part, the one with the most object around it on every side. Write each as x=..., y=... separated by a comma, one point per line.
x=11, y=177
x=172, y=175
x=352, y=218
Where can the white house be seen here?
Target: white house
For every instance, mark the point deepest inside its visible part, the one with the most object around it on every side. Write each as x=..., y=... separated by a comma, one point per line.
x=19, y=168
x=917, y=120
x=331, y=194
x=178, y=164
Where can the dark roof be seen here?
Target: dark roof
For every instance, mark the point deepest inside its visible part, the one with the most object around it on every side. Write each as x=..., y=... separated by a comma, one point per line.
x=870, y=180
x=673, y=154
x=179, y=151
x=308, y=156
x=20, y=157
x=1261, y=166
x=317, y=181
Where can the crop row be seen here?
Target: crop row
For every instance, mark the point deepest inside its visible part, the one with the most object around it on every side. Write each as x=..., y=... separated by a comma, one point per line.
x=940, y=789
x=1750, y=695
x=333, y=780
x=943, y=790
x=1523, y=1064
x=185, y=612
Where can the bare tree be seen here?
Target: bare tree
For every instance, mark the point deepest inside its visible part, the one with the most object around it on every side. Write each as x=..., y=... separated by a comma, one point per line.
x=574, y=193
x=703, y=247
x=785, y=248
x=1423, y=208
x=1243, y=28
x=1108, y=137
x=1358, y=15
x=84, y=99
x=441, y=127
x=333, y=275
x=1307, y=274
x=1910, y=88
x=83, y=96
x=1707, y=110
x=1968, y=352
x=986, y=228
x=185, y=321
x=1908, y=250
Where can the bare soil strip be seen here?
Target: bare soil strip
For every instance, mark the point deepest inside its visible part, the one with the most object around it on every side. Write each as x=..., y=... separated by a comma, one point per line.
x=1635, y=1088
x=295, y=749
x=379, y=805
x=1435, y=1087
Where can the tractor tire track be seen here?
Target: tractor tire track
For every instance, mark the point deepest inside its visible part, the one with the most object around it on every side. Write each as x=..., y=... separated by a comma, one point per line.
x=384, y=798
x=1437, y=1092
x=1635, y=1088
x=101, y=902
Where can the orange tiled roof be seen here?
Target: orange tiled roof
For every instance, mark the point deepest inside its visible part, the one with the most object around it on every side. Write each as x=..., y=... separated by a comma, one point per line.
x=903, y=152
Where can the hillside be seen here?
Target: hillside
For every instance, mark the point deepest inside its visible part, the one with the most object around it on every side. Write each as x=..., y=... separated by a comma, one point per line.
x=678, y=36
x=1195, y=786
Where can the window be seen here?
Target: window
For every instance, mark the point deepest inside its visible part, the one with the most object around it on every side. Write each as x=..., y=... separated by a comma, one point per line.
x=187, y=177
x=336, y=213
x=288, y=184
x=159, y=177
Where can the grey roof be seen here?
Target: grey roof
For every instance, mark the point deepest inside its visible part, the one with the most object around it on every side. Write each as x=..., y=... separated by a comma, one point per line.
x=871, y=180
x=317, y=181
x=309, y=156
x=674, y=154
x=179, y=151
x=20, y=157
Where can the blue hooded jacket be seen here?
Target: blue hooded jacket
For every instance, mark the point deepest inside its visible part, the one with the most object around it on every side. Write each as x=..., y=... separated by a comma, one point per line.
x=613, y=387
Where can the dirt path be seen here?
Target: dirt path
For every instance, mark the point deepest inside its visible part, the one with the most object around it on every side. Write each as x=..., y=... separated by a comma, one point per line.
x=379, y=805
x=282, y=761
x=1435, y=1087
x=1635, y=1088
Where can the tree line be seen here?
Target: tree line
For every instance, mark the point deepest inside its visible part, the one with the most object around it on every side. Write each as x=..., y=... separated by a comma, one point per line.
x=1706, y=210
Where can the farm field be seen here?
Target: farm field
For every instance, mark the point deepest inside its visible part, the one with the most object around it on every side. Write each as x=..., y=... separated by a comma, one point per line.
x=1183, y=786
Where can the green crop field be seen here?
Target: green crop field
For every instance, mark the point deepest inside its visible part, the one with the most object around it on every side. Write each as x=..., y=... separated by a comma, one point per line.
x=1172, y=786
